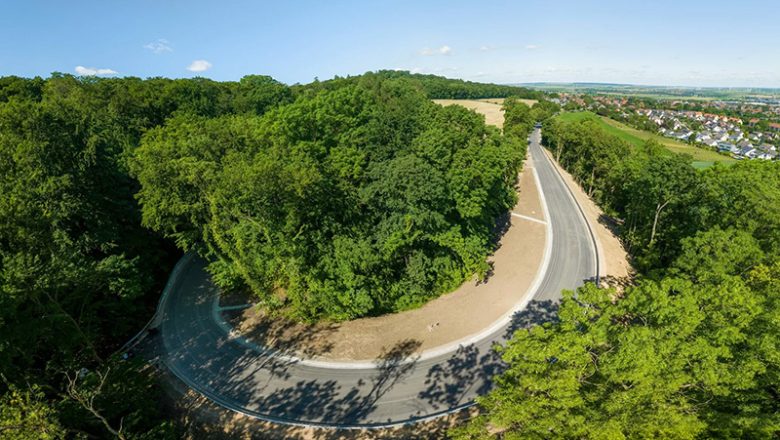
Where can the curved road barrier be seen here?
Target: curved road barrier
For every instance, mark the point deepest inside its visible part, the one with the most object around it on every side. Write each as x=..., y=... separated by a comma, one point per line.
x=401, y=386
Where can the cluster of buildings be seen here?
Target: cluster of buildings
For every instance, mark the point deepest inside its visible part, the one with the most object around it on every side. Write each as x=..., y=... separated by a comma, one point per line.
x=724, y=133
x=740, y=138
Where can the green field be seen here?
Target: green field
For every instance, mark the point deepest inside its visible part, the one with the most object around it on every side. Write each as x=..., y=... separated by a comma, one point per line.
x=702, y=158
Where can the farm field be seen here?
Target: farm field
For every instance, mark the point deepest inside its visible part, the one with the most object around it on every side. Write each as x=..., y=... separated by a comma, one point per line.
x=490, y=107
x=528, y=102
x=702, y=158
x=492, y=111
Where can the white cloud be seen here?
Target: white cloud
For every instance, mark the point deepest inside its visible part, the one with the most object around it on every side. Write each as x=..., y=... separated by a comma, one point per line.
x=199, y=66
x=443, y=50
x=532, y=47
x=91, y=71
x=160, y=46
x=485, y=48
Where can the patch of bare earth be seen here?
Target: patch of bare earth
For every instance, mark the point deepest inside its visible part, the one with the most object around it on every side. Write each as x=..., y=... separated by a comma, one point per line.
x=615, y=269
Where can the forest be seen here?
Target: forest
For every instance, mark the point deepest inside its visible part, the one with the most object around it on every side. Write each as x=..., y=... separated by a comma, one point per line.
x=336, y=199
x=354, y=197
x=362, y=199
x=690, y=348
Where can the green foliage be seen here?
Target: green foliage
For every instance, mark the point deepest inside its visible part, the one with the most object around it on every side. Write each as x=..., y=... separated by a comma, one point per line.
x=24, y=415
x=544, y=110
x=670, y=359
x=718, y=253
x=360, y=198
x=693, y=349
x=660, y=198
x=518, y=118
x=437, y=87
x=78, y=271
x=313, y=203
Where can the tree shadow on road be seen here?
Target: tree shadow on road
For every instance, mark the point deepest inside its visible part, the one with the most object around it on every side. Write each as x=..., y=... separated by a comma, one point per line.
x=467, y=373
x=536, y=312
x=200, y=418
x=331, y=402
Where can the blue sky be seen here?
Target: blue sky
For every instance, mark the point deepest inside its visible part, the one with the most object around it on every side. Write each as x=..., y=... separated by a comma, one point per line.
x=698, y=43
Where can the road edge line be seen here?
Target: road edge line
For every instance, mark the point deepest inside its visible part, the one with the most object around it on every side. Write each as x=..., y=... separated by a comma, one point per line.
x=597, y=250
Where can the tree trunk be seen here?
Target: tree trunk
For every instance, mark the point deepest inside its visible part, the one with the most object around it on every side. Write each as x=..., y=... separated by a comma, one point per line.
x=590, y=185
x=658, y=209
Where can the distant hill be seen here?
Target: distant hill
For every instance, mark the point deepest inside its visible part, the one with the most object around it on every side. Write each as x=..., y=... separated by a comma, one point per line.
x=439, y=87
x=660, y=92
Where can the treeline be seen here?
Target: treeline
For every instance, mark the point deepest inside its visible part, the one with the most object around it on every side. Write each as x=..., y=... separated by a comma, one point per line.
x=333, y=178
x=361, y=199
x=691, y=350
x=437, y=87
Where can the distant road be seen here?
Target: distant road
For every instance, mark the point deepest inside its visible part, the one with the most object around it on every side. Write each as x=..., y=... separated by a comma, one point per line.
x=398, y=389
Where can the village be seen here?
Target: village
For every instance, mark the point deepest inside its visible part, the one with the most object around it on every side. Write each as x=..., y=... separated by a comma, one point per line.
x=745, y=136
x=727, y=134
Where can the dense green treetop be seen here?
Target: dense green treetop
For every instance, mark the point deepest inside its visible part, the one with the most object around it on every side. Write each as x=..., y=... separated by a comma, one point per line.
x=360, y=198
x=437, y=87
x=669, y=359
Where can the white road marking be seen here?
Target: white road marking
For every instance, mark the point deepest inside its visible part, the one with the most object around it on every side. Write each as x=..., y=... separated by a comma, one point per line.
x=238, y=307
x=525, y=217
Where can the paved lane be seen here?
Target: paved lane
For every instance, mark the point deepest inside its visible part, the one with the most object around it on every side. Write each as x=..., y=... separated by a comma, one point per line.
x=399, y=388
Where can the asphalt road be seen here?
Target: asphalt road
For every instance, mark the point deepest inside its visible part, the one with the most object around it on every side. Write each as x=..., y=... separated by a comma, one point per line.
x=399, y=388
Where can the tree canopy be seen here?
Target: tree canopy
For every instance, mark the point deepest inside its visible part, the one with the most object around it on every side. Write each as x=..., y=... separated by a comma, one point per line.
x=356, y=200
x=692, y=350
x=79, y=274
x=338, y=199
